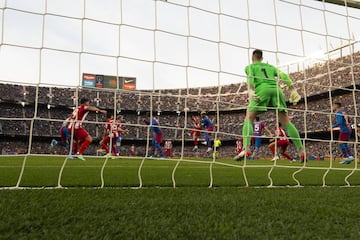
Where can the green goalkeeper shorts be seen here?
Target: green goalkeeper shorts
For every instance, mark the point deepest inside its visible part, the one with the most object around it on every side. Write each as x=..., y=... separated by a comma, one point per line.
x=269, y=97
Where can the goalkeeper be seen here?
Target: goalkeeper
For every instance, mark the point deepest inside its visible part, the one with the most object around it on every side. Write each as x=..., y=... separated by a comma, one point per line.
x=264, y=91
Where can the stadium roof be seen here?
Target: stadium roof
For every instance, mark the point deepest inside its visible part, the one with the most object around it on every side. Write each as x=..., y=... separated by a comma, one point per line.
x=349, y=3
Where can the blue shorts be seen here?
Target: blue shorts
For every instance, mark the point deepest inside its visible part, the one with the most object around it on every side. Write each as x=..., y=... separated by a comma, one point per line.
x=257, y=143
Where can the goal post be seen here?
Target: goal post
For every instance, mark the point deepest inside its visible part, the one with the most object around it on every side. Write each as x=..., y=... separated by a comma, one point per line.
x=175, y=71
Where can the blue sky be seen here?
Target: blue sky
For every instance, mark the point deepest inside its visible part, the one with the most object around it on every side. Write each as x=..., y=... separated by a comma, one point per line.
x=174, y=44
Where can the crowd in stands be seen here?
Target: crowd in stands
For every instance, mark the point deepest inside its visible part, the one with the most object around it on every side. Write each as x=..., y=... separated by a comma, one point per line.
x=55, y=104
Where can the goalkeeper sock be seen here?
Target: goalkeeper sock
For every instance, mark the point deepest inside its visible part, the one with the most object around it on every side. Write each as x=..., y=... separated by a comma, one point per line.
x=247, y=132
x=294, y=135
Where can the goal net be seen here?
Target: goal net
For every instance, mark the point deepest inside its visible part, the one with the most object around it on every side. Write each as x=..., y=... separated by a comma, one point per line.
x=168, y=93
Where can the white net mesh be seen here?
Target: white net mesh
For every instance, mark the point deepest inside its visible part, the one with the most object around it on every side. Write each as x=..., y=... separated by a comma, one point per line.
x=185, y=57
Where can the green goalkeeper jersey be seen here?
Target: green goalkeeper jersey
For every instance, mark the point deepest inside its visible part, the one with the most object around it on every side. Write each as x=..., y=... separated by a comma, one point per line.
x=262, y=75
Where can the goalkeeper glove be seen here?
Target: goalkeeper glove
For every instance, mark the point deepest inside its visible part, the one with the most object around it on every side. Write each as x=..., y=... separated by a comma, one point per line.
x=294, y=97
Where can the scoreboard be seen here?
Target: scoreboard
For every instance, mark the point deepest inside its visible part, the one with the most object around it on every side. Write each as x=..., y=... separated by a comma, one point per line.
x=105, y=81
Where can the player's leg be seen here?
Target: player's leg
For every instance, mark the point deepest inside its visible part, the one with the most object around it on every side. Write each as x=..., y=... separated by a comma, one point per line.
x=158, y=140
x=153, y=146
x=292, y=132
x=272, y=147
x=345, y=149
x=192, y=132
x=86, y=140
x=75, y=146
x=118, y=145
x=348, y=149
x=207, y=139
x=73, y=142
x=54, y=142
x=283, y=145
x=252, y=145
x=257, y=144
x=216, y=154
x=247, y=132
x=104, y=143
x=114, y=148
x=67, y=136
x=62, y=141
x=168, y=154
x=196, y=140
x=279, y=100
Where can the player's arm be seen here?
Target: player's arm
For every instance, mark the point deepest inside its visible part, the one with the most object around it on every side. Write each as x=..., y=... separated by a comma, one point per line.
x=123, y=130
x=268, y=131
x=294, y=95
x=273, y=138
x=250, y=84
x=285, y=78
x=95, y=109
x=250, y=76
x=106, y=128
x=339, y=120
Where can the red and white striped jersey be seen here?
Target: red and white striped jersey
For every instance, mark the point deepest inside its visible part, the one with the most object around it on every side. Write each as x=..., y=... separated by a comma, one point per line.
x=78, y=116
x=281, y=134
x=168, y=144
x=239, y=146
x=118, y=123
x=112, y=127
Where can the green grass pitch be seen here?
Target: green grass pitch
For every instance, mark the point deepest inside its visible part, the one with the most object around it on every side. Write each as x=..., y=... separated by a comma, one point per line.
x=81, y=210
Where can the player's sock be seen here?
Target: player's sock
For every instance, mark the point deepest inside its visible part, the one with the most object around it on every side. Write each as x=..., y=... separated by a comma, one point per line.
x=152, y=153
x=247, y=132
x=160, y=151
x=343, y=149
x=75, y=148
x=207, y=139
x=288, y=156
x=272, y=149
x=294, y=135
x=196, y=142
x=256, y=150
x=103, y=146
x=118, y=144
x=83, y=146
x=114, y=150
x=117, y=149
x=348, y=151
